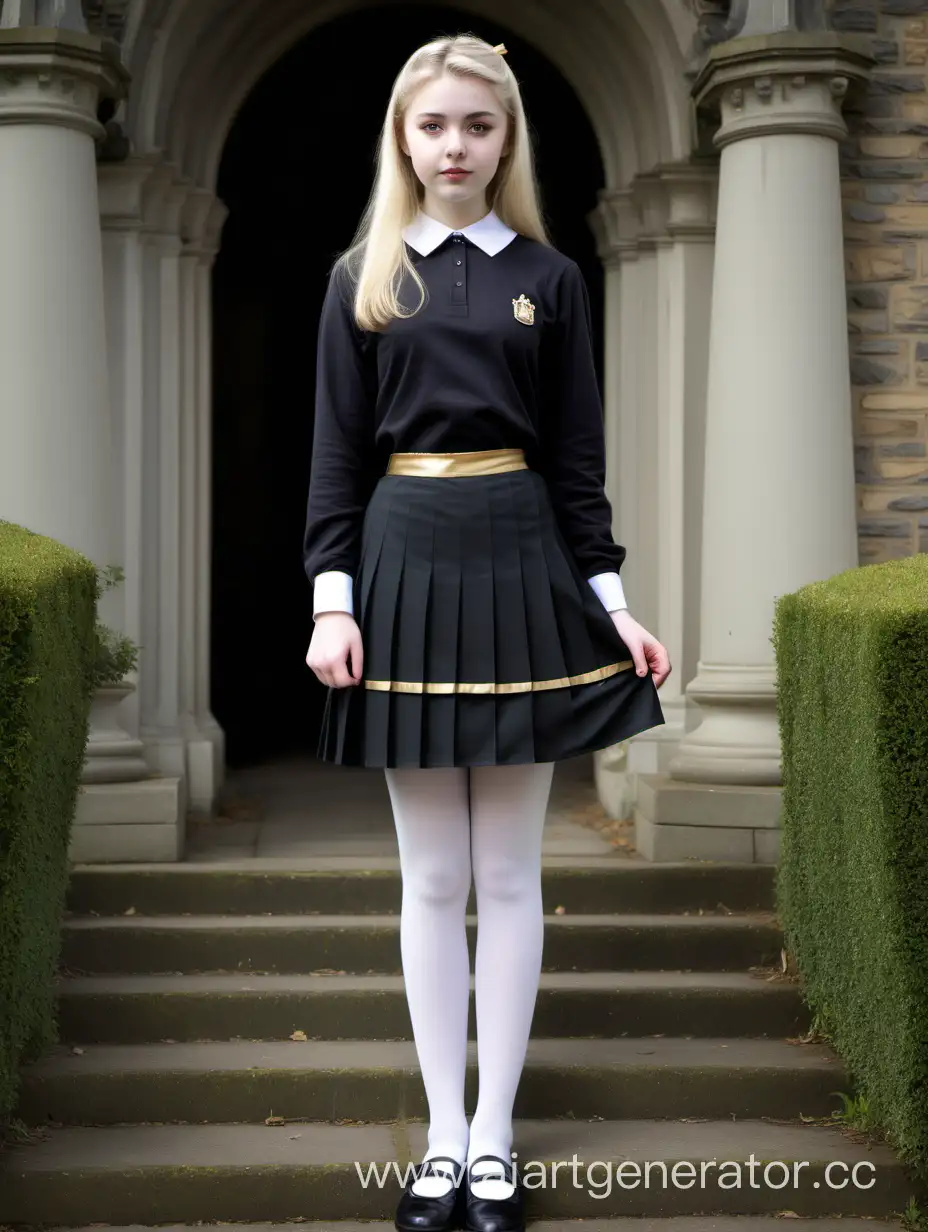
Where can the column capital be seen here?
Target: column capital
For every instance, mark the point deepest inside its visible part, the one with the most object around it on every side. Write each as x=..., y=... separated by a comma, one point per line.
x=164, y=193
x=673, y=201
x=615, y=223
x=678, y=200
x=790, y=81
x=205, y=244
x=122, y=188
x=55, y=75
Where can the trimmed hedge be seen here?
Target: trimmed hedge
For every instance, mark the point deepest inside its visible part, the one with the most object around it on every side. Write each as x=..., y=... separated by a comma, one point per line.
x=47, y=653
x=852, y=881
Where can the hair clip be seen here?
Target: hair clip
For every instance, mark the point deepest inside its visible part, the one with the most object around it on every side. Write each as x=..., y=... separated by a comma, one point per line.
x=500, y=49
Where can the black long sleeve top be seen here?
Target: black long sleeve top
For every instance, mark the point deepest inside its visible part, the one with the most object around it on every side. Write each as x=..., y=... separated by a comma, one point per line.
x=463, y=373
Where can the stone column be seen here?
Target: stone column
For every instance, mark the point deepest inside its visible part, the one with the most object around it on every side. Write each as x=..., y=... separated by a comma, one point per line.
x=615, y=224
x=655, y=239
x=55, y=460
x=139, y=821
x=779, y=475
x=205, y=740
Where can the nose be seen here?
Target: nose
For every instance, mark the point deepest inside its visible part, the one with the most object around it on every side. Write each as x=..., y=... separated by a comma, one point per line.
x=455, y=144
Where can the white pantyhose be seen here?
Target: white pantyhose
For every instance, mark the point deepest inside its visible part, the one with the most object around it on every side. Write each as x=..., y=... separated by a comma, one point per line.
x=453, y=824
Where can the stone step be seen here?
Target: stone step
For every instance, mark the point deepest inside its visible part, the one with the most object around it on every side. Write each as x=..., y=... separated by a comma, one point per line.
x=133, y=1009
x=180, y=1173
x=369, y=1080
x=365, y=943
x=679, y=1223
x=627, y=884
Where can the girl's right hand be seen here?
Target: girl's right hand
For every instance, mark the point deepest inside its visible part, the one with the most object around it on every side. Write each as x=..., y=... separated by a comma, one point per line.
x=336, y=636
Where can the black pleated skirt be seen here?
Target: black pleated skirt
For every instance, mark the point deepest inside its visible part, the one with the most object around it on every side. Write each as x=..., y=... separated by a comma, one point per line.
x=483, y=642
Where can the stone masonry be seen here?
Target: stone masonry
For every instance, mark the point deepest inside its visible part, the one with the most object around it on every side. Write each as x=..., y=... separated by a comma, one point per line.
x=885, y=189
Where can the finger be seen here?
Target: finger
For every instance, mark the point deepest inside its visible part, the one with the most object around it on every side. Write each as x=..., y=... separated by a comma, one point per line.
x=661, y=667
x=357, y=658
x=638, y=657
x=340, y=676
x=657, y=657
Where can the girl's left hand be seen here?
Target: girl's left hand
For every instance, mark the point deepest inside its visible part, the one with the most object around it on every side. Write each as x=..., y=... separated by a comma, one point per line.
x=646, y=650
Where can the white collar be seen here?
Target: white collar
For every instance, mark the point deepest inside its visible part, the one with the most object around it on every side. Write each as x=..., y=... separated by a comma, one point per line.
x=490, y=233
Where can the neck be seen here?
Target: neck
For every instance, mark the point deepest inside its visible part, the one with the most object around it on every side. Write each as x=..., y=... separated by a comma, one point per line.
x=455, y=214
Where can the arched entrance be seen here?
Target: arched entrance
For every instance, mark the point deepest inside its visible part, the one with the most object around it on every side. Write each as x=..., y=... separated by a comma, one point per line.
x=217, y=121
x=295, y=175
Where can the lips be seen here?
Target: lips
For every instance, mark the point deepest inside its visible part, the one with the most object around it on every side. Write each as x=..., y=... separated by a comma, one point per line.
x=455, y=173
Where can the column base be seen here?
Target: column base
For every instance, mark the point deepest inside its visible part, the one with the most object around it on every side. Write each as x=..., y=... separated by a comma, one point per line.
x=617, y=769
x=696, y=821
x=129, y=822
x=738, y=741
x=205, y=764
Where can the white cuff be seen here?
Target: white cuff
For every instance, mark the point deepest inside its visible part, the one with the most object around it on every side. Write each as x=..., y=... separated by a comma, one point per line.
x=333, y=591
x=608, y=587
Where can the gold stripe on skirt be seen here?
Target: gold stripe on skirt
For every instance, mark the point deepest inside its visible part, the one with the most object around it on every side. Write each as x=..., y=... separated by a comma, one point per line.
x=474, y=462
x=518, y=686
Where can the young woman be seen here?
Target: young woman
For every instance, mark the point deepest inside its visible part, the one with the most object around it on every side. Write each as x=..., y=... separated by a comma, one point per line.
x=459, y=542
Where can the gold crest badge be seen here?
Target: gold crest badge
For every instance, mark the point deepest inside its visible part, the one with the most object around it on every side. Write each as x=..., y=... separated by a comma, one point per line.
x=523, y=310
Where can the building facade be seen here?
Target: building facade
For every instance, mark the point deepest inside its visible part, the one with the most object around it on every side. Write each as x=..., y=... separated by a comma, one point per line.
x=765, y=378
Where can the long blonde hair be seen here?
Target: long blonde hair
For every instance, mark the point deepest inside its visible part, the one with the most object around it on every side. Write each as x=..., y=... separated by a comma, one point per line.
x=377, y=260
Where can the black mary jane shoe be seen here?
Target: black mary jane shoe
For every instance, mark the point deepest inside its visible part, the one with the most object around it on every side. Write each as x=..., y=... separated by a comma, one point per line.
x=493, y=1214
x=417, y=1213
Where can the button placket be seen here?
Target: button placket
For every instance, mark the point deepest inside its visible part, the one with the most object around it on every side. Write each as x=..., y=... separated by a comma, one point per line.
x=459, y=271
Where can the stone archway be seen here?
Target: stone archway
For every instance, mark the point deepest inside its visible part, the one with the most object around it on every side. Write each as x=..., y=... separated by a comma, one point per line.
x=192, y=65
x=194, y=61
x=295, y=175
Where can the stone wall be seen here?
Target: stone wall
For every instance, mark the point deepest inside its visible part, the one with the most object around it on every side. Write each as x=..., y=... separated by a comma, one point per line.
x=885, y=184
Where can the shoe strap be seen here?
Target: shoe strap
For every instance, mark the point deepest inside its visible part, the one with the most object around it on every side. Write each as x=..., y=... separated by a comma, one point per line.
x=426, y=1167
x=506, y=1167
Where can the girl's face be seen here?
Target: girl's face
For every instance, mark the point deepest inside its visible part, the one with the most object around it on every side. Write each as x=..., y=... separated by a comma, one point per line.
x=455, y=122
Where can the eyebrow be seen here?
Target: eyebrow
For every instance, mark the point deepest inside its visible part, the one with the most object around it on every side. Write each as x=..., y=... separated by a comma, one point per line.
x=440, y=115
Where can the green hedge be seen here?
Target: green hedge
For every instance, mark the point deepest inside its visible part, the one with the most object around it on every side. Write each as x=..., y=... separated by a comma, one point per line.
x=47, y=653
x=852, y=881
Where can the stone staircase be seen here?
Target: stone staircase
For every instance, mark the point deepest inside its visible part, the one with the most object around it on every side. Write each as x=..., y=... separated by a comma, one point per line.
x=662, y=1032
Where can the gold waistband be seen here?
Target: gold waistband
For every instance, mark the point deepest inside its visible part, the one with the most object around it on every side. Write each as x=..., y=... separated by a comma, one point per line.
x=474, y=462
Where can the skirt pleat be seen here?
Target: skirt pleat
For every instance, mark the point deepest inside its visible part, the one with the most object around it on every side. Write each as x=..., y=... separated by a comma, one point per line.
x=476, y=623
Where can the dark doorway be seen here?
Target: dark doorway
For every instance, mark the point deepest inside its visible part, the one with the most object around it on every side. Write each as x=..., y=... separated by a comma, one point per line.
x=295, y=175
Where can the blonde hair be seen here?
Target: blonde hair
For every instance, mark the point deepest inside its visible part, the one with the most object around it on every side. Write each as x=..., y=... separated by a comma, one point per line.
x=377, y=260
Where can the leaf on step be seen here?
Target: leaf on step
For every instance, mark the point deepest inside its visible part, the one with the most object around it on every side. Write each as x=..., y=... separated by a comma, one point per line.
x=299, y=1035
x=78, y=1052
x=560, y=910
x=129, y=911
x=275, y=1120
x=786, y=1215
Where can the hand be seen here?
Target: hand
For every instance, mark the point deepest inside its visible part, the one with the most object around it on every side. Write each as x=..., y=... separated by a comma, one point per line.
x=336, y=636
x=646, y=650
